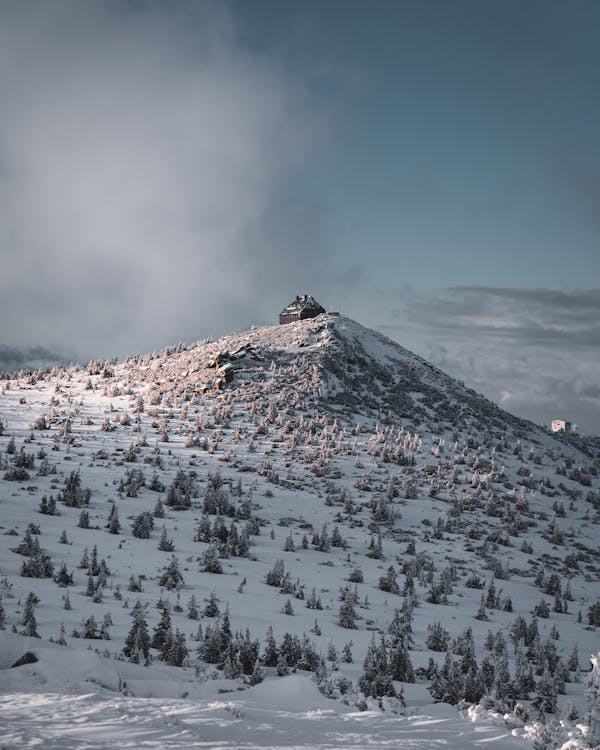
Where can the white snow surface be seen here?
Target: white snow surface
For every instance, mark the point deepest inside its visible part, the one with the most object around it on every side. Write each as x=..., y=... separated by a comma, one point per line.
x=57, y=703
x=322, y=421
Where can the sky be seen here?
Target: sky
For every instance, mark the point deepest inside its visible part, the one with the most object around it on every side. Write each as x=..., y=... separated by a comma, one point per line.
x=175, y=170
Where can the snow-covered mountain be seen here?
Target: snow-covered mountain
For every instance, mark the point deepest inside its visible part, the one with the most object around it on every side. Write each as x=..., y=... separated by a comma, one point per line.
x=292, y=501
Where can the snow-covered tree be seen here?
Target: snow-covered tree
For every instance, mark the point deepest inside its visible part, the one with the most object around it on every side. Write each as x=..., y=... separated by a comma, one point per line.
x=28, y=619
x=592, y=694
x=137, y=643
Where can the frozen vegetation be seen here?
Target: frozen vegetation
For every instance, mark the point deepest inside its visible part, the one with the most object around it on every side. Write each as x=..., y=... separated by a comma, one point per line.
x=296, y=536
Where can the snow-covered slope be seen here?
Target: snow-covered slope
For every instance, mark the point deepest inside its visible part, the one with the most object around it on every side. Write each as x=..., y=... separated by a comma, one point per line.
x=346, y=489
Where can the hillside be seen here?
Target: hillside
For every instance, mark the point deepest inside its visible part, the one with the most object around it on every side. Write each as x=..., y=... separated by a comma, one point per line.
x=314, y=478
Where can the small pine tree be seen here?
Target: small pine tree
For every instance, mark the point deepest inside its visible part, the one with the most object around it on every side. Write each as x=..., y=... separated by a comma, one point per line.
x=165, y=544
x=192, y=609
x=282, y=666
x=389, y=582
x=376, y=680
x=288, y=545
x=270, y=656
x=347, y=653
x=28, y=620
x=347, y=613
x=159, y=510
x=137, y=643
x=177, y=652
x=211, y=608
x=210, y=562
x=171, y=577
x=437, y=638
x=481, y=612
x=142, y=526
x=592, y=694
x=163, y=632
x=113, y=524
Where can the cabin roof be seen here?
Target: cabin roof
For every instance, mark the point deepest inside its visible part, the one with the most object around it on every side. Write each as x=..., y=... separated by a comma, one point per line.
x=303, y=303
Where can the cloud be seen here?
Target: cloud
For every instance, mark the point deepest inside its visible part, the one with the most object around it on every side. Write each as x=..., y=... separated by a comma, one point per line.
x=12, y=358
x=534, y=317
x=145, y=154
x=534, y=351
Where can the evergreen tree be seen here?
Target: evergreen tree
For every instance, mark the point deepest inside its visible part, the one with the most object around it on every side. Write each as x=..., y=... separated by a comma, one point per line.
x=481, y=613
x=165, y=544
x=288, y=545
x=347, y=653
x=91, y=586
x=523, y=682
x=282, y=666
x=163, y=631
x=573, y=662
x=401, y=667
x=73, y=495
x=90, y=628
x=61, y=640
x=28, y=620
x=389, y=582
x=592, y=694
x=437, y=638
x=171, y=577
x=177, y=652
x=232, y=666
x=210, y=562
x=212, y=647
x=211, y=608
x=112, y=524
x=192, y=608
x=270, y=655
x=447, y=682
x=347, y=613
x=63, y=577
x=375, y=680
x=258, y=674
x=137, y=643
x=545, y=700
x=142, y=526
x=314, y=601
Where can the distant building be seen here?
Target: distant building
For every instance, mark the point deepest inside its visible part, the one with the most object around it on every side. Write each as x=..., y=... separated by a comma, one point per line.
x=303, y=307
x=559, y=425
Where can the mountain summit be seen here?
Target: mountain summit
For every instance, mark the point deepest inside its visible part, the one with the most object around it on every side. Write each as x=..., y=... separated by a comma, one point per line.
x=331, y=363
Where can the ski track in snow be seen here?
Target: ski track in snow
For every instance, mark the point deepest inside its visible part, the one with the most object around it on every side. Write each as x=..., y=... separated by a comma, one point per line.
x=52, y=721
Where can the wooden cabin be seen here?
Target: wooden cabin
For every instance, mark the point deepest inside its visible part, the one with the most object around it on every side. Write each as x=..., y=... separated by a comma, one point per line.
x=303, y=307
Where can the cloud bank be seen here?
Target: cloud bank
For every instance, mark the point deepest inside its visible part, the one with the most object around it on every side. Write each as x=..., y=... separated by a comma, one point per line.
x=144, y=163
x=534, y=351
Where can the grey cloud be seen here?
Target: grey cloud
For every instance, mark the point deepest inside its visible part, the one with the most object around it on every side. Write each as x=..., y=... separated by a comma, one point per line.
x=575, y=300
x=536, y=350
x=536, y=317
x=12, y=358
x=144, y=154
